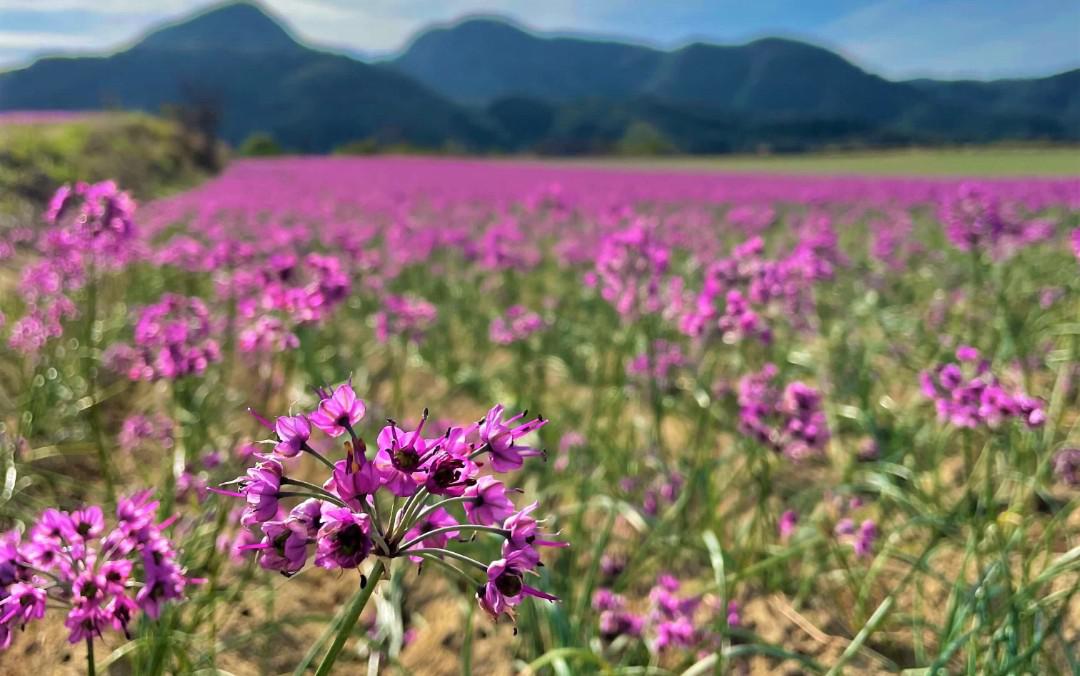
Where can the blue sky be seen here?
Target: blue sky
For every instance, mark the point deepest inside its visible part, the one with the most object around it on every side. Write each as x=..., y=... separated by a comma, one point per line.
x=897, y=38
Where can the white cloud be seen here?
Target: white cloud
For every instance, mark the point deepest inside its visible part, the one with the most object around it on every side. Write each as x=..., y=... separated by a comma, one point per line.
x=961, y=38
x=102, y=6
x=387, y=25
x=11, y=40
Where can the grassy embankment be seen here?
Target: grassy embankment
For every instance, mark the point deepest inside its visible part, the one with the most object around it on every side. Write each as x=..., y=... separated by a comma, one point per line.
x=147, y=155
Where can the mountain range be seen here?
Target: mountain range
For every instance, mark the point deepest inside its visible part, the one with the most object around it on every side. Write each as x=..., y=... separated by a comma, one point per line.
x=485, y=84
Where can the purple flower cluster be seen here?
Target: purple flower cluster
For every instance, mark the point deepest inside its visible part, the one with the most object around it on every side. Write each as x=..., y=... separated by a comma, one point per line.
x=173, y=339
x=662, y=491
x=341, y=522
x=505, y=246
x=92, y=218
x=282, y=292
x=138, y=429
x=967, y=394
x=43, y=319
x=614, y=619
x=975, y=220
x=516, y=325
x=817, y=253
x=404, y=316
x=737, y=291
x=861, y=539
x=790, y=421
x=267, y=334
x=631, y=265
x=1067, y=466
x=672, y=620
x=751, y=218
x=90, y=227
x=892, y=243
x=665, y=359
x=103, y=578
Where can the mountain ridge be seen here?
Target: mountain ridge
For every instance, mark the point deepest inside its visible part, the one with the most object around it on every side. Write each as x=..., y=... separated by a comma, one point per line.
x=484, y=84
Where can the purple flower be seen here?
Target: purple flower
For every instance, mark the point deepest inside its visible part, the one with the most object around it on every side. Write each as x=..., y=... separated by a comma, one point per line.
x=864, y=543
x=631, y=266
x=505, y=587
x=164, y=581
x=500, y=438
x=861, y=539
x=260, y=489
x=343, y=540
x=523, y=538
x=448, y=474
x=734, y=616
x=967, y=353
x=788, y=520
x=305, y=519
x=115, y=574
x=24, y=602
x=338, y=411
x=605, y=599
x=88, y=523
x=86, y=622
x=400, y=460
x=976, y=220
x=439, y=518
x=489, y=505
x=283, y=548
x=293, y=432
x=351, y=481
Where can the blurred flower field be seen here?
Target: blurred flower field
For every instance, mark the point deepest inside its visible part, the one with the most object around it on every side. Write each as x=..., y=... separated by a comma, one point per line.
x=406, y=415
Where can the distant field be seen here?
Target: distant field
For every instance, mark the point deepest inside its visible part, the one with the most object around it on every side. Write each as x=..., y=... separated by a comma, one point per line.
x=970, y=162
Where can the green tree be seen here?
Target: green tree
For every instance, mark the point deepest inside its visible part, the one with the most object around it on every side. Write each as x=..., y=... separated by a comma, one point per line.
x=642, y=138
x=260, y=144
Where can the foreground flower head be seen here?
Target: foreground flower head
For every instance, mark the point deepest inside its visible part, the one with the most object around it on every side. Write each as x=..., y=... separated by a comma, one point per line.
x=357, y=512
x=103, y=578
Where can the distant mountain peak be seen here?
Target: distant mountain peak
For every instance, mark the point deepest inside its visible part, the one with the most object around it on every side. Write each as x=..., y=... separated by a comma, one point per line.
x=478, y=23
x=234, y=26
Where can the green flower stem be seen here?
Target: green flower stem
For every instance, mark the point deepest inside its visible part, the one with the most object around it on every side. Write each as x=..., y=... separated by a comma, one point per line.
x=352, y=614
x=452, y=529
